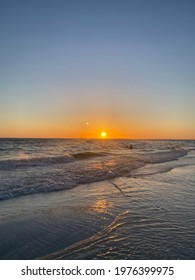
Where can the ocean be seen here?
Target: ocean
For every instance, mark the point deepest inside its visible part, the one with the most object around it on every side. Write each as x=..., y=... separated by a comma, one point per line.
x=97, y=199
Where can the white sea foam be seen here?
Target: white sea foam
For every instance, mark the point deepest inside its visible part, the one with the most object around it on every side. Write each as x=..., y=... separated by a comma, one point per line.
x=53, y=165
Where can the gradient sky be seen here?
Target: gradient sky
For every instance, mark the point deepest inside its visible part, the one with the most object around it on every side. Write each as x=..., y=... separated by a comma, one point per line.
x=74, y=68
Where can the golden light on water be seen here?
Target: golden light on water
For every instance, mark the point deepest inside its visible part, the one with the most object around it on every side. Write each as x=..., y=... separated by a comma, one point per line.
x=102, y=206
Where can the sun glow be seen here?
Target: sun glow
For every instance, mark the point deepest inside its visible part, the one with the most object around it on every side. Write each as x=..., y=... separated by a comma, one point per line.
x=103, y=134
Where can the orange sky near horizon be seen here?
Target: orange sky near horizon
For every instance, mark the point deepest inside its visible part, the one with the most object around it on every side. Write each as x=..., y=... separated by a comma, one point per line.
x=92, y=129
x=86, y=112
x=74, y=71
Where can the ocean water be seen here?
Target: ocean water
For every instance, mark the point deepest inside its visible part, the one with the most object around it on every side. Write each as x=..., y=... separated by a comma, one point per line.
x=97, y=199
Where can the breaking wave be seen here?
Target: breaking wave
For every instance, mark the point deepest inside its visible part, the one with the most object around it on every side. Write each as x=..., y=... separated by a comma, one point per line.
x=53, y=173
x=10, y=164
x=86, y=155
x=39, y=161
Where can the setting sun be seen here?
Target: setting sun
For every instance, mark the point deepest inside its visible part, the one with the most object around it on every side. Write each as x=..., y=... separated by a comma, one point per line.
x=103, y=134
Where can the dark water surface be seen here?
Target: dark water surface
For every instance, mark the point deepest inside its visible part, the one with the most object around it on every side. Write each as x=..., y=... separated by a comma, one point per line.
x=113, y=203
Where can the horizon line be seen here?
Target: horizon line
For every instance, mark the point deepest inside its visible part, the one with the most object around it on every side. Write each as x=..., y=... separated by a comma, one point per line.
x=83, y=138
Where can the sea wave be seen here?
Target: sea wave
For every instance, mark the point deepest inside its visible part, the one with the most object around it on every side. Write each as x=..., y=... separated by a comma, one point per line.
x=39, y=161
x=14, y=163
x=86, y=155
x=163, y=156
x=54, y=177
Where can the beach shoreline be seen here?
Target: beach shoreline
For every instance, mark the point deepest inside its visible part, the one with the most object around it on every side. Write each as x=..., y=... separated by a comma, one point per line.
x=81, y=222
x=147, y=215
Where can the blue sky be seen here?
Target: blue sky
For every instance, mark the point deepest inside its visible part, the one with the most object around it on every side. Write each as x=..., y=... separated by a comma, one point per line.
x=125, y=66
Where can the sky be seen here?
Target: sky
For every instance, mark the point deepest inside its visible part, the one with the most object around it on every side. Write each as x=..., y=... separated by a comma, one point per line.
x=75, y=68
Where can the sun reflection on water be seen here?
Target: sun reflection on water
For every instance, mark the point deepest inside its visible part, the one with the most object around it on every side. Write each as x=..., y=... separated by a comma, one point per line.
x=23, y=156
x=102, y=206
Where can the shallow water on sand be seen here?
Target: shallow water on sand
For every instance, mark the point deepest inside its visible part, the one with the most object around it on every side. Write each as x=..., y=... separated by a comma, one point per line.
x=148, y=216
